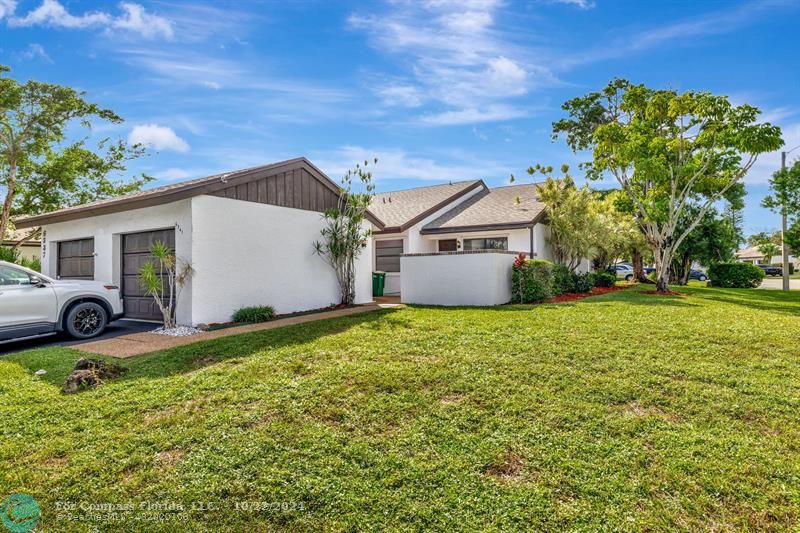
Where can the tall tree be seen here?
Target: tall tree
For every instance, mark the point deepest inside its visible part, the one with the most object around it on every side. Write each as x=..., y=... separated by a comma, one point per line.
x=785, y=199
x=39, y=170
x=668, y=151
x=571, y=216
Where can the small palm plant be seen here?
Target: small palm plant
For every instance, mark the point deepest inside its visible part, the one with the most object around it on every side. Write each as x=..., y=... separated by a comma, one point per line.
x=164, y=279
x=344, y=236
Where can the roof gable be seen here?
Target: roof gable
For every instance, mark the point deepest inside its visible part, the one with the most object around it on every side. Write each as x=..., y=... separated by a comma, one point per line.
x=513, y=206
x=400, y=210
x=235, y=184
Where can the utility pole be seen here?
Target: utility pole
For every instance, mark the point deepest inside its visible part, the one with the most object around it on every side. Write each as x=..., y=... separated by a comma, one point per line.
x=784, y=249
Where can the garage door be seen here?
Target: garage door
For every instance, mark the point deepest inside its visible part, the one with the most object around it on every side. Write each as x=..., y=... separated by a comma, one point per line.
x=135, y=253
x=76, y=259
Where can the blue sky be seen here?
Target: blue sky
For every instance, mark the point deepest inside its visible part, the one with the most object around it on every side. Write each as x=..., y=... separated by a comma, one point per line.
x=437, y=89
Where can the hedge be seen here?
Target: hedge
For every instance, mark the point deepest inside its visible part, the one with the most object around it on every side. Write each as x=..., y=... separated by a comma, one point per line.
x=532, y=281
x=537, y=280
x=735, y=275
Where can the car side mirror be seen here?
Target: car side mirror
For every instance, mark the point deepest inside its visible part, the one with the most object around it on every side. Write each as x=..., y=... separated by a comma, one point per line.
x=36, y=281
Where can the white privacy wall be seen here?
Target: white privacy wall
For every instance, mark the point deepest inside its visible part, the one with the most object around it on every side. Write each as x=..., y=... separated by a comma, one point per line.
x=107, y=231
x=457, y=278
x=247, y=253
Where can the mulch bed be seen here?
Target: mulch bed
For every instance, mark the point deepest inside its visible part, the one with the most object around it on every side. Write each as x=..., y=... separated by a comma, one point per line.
x=572, y=296
x=225, y=325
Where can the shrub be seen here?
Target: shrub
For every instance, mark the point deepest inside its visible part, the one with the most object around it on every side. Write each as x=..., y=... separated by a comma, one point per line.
x=604, y=279
x=532, y=281
x=260, y=313
x=583, y=282
x=8, y=254
x=563, y=280
x=735, y=275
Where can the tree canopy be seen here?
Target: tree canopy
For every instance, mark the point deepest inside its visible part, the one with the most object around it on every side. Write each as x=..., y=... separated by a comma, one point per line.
x=669, y=152
x=41, y=169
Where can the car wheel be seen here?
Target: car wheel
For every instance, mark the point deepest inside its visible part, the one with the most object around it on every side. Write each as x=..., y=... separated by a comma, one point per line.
x=702, y=278
x=629, y=277
x=86, y=320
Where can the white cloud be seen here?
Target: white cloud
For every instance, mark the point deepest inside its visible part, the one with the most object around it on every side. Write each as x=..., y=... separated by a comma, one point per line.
x=459, y=57
x=7, y=8
x=158, y=137
x=52, y=13
x=396, y=163
x=35, y=51
x=401, y=95
x=494, y=113
x=175, y=174
x=582, y=4
x=136, y=20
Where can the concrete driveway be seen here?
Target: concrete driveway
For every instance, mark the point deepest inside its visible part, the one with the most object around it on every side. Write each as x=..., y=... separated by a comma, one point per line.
x=777, y=283
x=115, y=329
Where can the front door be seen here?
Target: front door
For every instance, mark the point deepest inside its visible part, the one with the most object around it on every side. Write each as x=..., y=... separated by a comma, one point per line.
x=25, y=309
x=135, y=253
x=448, y=245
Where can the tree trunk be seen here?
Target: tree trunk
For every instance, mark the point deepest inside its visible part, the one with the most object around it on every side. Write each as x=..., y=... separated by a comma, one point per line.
x=638, y=267
x=11, y=186
x=663, y=262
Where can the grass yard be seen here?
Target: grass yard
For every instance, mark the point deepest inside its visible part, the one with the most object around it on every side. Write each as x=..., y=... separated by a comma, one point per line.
x=620, y=412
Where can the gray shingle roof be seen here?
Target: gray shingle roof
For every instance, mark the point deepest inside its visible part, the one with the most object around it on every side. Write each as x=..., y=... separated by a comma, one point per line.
x=399, y=209
x=493, y=207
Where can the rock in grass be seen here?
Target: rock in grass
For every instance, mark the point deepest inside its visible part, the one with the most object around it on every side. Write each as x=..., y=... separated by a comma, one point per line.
x=89, y=373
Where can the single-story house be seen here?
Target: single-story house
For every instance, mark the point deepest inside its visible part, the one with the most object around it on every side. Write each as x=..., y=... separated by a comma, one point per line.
x=29, y=249
x=466, y=216
x=248, y=234
x=753, y=255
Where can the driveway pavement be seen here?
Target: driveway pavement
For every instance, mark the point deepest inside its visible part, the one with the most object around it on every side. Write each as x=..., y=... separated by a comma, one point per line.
x=777, y=283
x=115, y=329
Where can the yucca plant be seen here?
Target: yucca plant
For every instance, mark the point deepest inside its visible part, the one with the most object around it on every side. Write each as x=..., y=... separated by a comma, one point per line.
x=343, y=237
x=164, y=279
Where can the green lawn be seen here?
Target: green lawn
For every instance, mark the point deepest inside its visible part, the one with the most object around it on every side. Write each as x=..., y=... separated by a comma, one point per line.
x=622, y=412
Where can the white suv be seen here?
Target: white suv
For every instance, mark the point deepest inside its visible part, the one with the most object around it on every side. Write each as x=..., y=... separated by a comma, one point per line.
x=32, y=305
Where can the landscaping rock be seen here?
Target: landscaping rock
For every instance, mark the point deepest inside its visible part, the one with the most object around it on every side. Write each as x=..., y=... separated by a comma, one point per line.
x=89, y=373
x=180, y=331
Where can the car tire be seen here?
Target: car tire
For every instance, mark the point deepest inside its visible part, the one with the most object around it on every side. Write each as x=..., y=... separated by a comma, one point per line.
x=629, y=277
x=702, y=278
x=86, y=320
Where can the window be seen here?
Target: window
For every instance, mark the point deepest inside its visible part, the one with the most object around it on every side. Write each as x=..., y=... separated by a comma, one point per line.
x=491, y=243
x=387, y=255
x=12, y=276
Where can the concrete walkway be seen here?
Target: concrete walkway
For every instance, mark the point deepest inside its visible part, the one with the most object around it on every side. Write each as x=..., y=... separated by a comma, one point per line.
x=142, y=343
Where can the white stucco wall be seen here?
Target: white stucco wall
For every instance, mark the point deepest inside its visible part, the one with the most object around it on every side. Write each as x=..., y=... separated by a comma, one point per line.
x=415, y=243
x=106, y=231
x=247, y=253
x=457, y=279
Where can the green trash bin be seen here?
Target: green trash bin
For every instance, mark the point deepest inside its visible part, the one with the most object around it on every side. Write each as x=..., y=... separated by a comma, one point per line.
x=378, y=283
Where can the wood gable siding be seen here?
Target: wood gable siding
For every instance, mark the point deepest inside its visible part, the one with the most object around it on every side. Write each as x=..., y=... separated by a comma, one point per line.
x=295, y=188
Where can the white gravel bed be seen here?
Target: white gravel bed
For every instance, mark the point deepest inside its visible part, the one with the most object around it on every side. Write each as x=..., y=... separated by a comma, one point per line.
x=180, y=331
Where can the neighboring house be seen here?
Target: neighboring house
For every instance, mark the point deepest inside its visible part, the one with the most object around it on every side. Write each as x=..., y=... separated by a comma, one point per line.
x=753, y=255
x=30, y=249
x=463, y=216
x=248, y=234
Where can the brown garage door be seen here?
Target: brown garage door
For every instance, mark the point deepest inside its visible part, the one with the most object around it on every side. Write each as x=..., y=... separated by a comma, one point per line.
x=76, y=259
x=135, y=253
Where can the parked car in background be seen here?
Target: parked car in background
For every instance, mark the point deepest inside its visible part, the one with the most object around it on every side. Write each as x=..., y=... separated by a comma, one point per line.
x=34, y=305
x=622, y=271
x=699, y=275
x=770, y=270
